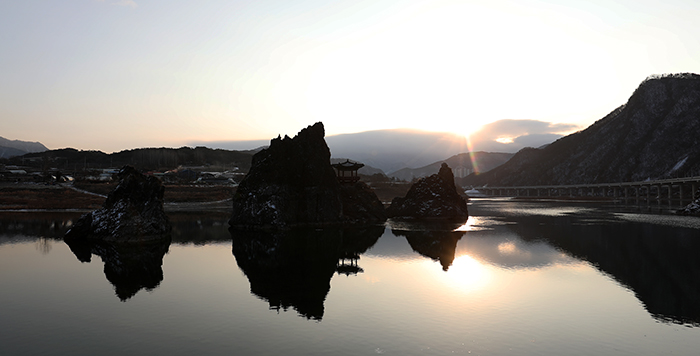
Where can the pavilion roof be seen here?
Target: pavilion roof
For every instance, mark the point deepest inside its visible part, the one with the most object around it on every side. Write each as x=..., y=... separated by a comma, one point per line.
x=348, y=165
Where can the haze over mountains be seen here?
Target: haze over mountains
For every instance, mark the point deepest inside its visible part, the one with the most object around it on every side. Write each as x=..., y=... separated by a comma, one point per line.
x=12, y=148
x=392, y=150
x=655, y=135
x=462, y=165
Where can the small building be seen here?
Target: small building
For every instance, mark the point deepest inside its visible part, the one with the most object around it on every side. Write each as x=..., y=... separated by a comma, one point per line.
x=347, y=171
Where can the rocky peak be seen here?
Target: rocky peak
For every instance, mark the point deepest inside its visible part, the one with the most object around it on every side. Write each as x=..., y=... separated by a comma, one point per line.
x=432, y=197
x=292, y=183
x=133, y=212
x=445, y=173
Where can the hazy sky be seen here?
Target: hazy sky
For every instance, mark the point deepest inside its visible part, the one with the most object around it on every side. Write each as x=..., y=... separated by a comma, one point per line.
x=120, y=74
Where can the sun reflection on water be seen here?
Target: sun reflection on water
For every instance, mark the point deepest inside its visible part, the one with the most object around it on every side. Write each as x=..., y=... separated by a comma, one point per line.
x=473, y=223
x=468, y=274
x=507, y=248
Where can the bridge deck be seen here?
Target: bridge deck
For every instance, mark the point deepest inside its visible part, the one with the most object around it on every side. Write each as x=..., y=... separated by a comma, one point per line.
x=675, y=187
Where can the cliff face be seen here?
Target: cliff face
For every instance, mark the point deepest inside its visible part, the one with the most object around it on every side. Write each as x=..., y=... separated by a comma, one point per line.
x=654, y=135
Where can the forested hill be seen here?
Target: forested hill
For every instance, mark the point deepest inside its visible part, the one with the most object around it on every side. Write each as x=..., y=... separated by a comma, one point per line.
x=157, y=159
x=656, y=134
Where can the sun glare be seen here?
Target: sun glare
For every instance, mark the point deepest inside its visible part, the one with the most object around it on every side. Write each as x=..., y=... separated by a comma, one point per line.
x=475, y=164
x=474, y=223
x=468, y=274
x=505, y=140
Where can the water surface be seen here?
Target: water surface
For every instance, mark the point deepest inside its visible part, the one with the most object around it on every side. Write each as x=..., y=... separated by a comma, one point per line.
x=519, y=278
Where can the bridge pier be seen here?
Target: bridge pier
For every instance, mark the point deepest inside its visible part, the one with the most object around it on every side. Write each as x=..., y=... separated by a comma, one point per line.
x=648, y=195
x=692, y=193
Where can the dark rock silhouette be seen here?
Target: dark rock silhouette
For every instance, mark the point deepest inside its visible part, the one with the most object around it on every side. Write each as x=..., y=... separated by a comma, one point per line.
x=292, y=184
x=360, y=204
x=293, y=268
x=133, y=212
x=433, y=197
x=653, y=136
x=130, y=267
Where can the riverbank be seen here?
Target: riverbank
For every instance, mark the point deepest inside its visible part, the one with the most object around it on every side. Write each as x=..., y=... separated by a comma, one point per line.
x=83, y=196
x=90, y=196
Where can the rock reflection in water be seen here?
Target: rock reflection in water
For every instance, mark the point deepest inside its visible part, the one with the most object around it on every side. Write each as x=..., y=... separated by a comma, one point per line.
x=49, y=225
x=294, y=268
x=658, y=263
x=436, y=240
x=130, y=267
x=199, y=229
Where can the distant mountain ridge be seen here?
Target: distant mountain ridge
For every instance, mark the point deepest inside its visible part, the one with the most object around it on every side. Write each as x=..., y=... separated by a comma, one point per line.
x=394, y=149
x=654, y=135
x=69, y=159
x=461, y=164
x=7, y=152
x=391, y=150
x=388, y=150
x=12, y=148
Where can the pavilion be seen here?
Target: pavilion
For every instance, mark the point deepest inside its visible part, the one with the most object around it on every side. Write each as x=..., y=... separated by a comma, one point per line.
x=347, y=171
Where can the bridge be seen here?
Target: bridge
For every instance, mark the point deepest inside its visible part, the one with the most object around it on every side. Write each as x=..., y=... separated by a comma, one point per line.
x=679, y=190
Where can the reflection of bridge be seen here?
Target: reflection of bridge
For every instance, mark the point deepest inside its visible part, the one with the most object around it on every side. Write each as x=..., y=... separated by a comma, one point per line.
x=681, y=190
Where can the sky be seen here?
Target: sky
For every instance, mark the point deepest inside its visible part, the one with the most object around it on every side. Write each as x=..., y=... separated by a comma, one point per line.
x=120, y=74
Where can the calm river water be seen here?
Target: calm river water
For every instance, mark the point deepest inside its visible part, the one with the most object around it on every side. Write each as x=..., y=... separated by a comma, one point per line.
x=519, y=278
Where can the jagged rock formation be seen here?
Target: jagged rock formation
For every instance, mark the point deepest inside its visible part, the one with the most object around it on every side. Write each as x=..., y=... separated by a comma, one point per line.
x=653, y=136
x=433, y=197
x=292, y=183
x=360, y=204
x=133, y=212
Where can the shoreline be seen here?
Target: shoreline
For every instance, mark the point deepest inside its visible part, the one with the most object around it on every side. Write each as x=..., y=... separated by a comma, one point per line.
x=39, y=197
